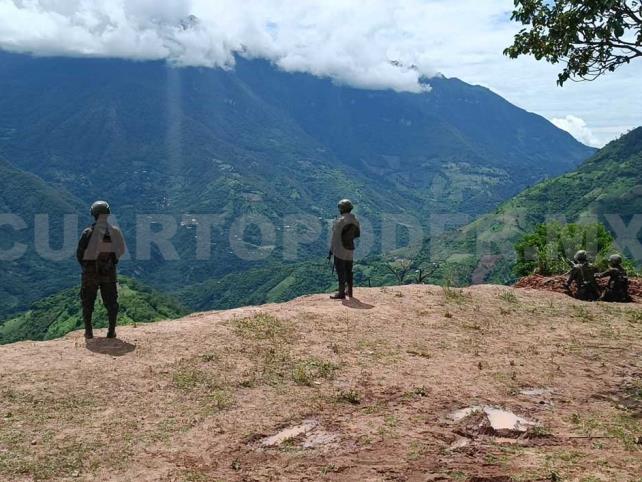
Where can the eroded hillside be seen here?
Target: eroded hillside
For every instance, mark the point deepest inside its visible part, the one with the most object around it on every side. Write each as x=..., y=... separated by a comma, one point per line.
x=319, y=390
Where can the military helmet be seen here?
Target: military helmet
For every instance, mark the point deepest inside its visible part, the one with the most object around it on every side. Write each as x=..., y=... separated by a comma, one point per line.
x=100, y=208
x=615, y=260
x=345, y=206
x=581, y=256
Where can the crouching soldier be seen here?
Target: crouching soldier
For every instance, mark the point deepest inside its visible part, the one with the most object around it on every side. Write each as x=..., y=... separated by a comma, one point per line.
x=583, y=275
x=344, y=231
x=99, y=249
x=617, y=288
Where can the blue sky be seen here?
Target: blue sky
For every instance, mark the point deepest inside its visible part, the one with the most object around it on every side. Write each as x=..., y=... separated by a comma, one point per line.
x=351, y=41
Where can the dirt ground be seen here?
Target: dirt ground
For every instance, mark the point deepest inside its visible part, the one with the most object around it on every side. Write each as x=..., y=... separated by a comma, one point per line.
x=316, y=389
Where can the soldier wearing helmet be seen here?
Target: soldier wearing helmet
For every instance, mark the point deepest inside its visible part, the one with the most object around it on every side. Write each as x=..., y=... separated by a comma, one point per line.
x=583, y=276
x=344, y=231
x=100, y=247
x=617, y=288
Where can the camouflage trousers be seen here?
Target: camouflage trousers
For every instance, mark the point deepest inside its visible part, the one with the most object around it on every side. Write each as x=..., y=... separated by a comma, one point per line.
x=344, y=273
x=615, y=295
x=587, y=292
x=88, y=293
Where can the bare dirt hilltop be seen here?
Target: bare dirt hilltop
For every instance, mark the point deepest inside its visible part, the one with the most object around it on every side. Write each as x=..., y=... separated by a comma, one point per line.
x=409, y=383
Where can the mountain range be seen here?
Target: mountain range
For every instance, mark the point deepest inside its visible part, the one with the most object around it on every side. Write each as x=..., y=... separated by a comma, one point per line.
x=605, y=188
x=153, y=139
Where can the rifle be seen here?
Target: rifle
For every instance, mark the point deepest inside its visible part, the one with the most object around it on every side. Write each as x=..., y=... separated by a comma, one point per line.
x=331, y=263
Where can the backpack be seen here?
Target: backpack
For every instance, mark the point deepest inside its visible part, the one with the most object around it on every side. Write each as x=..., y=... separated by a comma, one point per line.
x=105, y=259
x=620, y=282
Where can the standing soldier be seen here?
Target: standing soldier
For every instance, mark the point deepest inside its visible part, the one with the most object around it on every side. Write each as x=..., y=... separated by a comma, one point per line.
x=618, y=285
x=583, y=275
x=344, y=231
x=99, y=249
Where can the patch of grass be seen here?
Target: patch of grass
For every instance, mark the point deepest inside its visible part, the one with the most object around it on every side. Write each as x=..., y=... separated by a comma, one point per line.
x=582, y=313
x=64, y=459
x=194, y=475
x=539, y=431
x=209, y=357
x=378, y=349
x=416, y=450
x=634, y=316
x=305, y=372
x=190, y=378
x=417, y=392
x=454, y=295
x=508, y=297
x=203, y=385
x=349, y=396
x=262, y=326
x=458, y=475
x=376, y=407
x=627, y=430
x=327, y=469
x=267, y=341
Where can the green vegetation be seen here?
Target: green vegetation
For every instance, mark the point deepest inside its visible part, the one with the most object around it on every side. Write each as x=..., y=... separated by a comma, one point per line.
x=550, y=247
x=590, y=37
x=604, y=190
x=307, y=371
x=59, y=314
x=349, y=396
x=29, y=277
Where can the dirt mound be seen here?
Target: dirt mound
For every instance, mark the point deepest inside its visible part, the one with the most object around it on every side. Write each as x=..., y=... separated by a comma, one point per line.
x=317, y=389
x=558, y=284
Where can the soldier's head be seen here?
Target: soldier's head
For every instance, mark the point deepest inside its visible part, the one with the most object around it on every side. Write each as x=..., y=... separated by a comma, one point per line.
x=345, y=206
x=615, y=260
x=581, y=256
x=100, y=209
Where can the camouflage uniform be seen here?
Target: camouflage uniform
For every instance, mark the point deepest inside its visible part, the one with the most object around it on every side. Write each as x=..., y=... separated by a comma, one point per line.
x=99, y=249
x=583, y=275
x=344, y=231
x=617, y=288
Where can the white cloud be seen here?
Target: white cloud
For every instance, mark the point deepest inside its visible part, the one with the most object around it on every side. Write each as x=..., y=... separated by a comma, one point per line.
x=577, y=128
x=351, y=41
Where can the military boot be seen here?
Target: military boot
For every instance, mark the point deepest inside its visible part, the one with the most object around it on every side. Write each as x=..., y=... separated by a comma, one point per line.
x=111, y=331
x=341, y=295
x=89, y=332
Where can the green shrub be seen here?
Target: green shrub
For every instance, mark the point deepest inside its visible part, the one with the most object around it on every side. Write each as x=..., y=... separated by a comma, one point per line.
x=550, y=247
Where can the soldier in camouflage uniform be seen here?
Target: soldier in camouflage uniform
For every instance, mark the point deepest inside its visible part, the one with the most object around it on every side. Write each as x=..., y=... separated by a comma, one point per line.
x=618, y=285
x=99, y=249
x=583, y=275
x=344, y=231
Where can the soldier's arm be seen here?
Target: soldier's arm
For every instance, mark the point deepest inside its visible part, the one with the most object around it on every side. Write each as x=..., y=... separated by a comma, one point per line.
x=571, y=277
x=120, y=248
x=337, y=228
x=82, y=247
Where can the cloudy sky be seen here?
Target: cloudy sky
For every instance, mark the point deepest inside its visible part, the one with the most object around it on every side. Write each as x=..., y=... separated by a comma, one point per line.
x=351, y=41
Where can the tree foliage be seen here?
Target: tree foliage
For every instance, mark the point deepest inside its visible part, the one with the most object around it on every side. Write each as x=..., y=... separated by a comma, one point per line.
x=591, y=37
x=548, y=249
